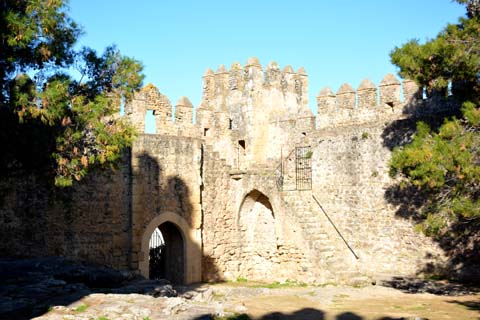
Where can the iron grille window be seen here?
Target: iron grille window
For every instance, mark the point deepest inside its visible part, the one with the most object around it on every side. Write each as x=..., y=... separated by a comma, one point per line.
x=303, y=168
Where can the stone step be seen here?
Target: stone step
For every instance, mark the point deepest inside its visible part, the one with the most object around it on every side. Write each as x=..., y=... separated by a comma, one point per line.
x=308, y=219
x=318, y=235
x=323, y=246
x=312, y=228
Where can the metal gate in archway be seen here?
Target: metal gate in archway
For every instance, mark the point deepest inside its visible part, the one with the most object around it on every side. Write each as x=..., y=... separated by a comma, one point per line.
x=167, y=254
x=156, y=248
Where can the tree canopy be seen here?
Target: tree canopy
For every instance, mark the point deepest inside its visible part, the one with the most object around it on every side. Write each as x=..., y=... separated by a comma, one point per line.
x=59, y=105
x=443, y=164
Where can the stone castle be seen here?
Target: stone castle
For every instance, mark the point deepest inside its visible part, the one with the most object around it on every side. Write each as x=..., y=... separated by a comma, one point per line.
x=257, y=187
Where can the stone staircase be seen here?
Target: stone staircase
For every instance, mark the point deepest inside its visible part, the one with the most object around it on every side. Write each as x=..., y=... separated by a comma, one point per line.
x=331, y=257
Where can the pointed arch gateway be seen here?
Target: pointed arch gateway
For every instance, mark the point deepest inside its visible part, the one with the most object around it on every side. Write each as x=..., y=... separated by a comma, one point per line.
x=256, y=223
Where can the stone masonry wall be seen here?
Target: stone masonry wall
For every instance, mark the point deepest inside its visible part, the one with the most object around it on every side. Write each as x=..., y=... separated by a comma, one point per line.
x=88, y=222
x=217, y=180
x=166, y=179
x=247, y=232
x=103, y=219
x=350, y=178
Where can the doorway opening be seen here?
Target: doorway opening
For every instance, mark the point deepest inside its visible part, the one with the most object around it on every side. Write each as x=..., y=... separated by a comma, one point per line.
x=257, y=237
x=167, y=254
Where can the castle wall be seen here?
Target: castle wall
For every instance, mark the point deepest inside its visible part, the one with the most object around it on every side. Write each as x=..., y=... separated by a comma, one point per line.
x=247, y=231
x=89, y=222
x=104, y=219
x=216, y=180
x=166, y=180
x=350, y=180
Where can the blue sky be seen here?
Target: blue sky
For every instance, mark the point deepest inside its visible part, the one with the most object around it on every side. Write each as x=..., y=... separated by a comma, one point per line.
x=335, y=41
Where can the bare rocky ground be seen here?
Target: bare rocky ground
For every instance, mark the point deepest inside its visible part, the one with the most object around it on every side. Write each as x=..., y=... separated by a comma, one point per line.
x=45, y=289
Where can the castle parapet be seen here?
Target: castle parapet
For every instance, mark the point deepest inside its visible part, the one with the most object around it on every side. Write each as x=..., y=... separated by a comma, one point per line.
x=367, y=94
x=273, y=75
x=208, y=92
x=370, y=103
x=253, y=74
x=346, y=97
x=236, y=78
x=245, y=81
x=149, y=98
x=389, y=91
x=302, y=92
x=411, y=91
x=184, y=111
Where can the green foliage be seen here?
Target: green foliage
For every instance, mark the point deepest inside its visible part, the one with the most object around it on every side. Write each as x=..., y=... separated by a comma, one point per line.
x=444, y=165
x=81, y=308
x=240, y=279
x=59, y=103
x=278, y=285
x=453, y=56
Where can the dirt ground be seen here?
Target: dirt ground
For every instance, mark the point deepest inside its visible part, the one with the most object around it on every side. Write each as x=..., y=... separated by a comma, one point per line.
x=253, y=301
x=373, y=302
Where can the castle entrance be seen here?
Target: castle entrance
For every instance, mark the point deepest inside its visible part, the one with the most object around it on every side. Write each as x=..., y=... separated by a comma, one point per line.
x=167, y=254
x=257, y=237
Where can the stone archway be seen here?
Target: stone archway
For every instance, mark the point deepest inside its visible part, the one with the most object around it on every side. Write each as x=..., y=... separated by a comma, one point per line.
x=182, y=257
x=167, y=254
x=256, y=222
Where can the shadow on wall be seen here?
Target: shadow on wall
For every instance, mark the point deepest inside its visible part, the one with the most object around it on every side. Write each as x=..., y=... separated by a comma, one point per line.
x=162, y=194
x=167, y=243
x=162, y=198
x=462, y=249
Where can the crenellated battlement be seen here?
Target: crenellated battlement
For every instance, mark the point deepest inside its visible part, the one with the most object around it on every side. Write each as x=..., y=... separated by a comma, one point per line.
x=391, y=100
x=250, y=78
x=266, y=106
x=227, y=97
x=179, y=122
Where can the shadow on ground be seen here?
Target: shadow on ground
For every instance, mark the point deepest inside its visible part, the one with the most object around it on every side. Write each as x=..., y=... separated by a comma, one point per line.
x=471, y=305
x=31, y=286
x=303, y=314
x=444, y=288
